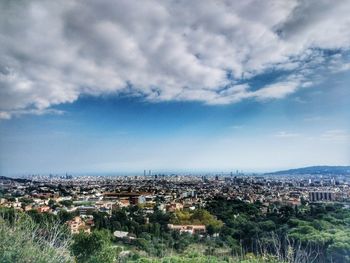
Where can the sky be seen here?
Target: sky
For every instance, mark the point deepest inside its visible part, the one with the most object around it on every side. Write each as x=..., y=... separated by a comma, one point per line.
x=173, y=86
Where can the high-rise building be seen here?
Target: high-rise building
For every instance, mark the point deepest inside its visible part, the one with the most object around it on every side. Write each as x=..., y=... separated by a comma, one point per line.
x=317, y=196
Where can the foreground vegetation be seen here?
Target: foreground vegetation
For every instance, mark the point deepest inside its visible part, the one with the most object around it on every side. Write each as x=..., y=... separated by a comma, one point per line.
x=236, y=232
x=23, y=240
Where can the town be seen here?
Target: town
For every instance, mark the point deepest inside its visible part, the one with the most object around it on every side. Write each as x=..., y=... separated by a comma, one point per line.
x=83, y=195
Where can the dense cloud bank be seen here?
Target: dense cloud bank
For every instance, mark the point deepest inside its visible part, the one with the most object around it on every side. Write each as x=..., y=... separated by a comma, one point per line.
x=52, y=52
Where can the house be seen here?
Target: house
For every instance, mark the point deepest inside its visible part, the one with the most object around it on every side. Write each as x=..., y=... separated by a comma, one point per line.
x=174, y=206
x=126, y=236
x=120, y=234
x=85, y=210
x=43, y=209
x=124, y=202
x=192, y=229
x=77, y=225
x=28, y=208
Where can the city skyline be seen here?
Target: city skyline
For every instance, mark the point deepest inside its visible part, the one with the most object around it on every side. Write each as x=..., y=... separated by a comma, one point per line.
x=101, y=87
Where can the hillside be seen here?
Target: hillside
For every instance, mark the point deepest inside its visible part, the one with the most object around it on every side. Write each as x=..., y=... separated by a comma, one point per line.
x=315, y=170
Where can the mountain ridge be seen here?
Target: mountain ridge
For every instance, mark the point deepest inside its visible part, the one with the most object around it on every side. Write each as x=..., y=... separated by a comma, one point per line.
x=315, y=170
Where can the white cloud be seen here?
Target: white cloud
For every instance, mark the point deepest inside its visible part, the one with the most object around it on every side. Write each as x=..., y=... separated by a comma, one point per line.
x=53, y=52
x=337, y=64
x=285, y=134
x=5, y=115
x=315, y=119
x=277, y=90
x=237, y=127
x=337, y=135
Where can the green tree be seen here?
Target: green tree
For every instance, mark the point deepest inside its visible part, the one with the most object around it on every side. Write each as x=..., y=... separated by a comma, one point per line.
x=94, y=247
x=66, y=203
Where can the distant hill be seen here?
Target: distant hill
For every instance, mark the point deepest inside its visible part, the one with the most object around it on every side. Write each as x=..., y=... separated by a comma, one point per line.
x=336, y=170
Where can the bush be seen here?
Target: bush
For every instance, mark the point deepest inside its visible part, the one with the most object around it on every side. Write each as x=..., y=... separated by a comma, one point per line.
x=94, y=247
x=24, y=241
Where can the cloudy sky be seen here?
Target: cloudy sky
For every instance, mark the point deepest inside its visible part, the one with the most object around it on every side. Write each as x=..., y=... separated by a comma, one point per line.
x=122, y=86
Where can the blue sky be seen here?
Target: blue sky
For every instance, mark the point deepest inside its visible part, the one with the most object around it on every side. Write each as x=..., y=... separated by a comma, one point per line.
x=173, y=86
x=123, y=134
